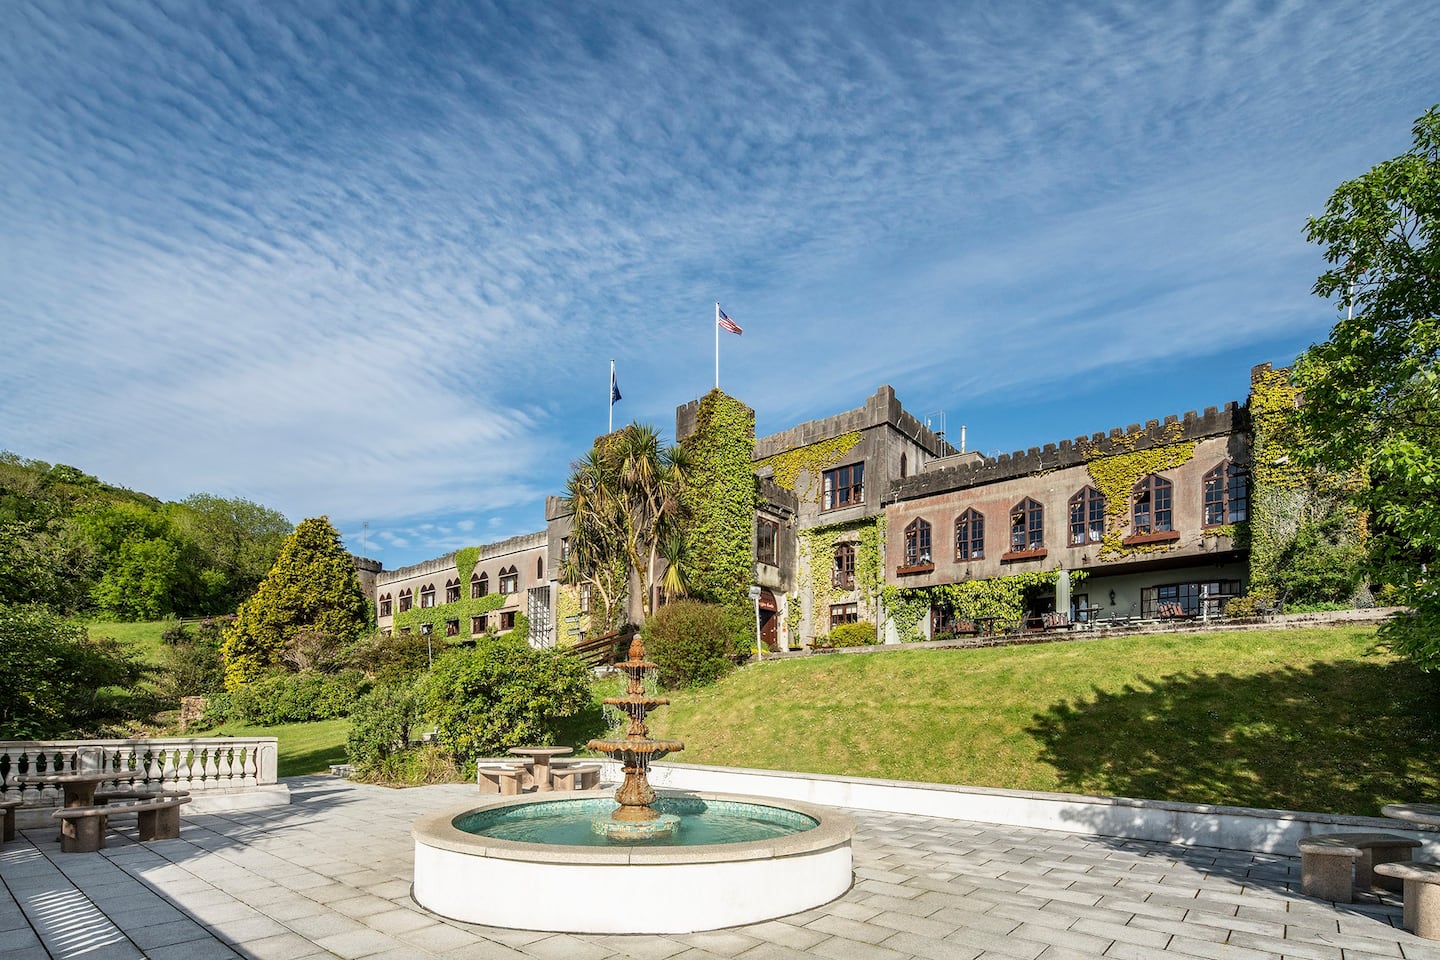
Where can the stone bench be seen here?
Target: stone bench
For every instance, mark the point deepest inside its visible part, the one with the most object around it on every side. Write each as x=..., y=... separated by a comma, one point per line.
x=502, y=776
x=1332, y=865
x=7, y=815
x=82, y=829
x=576, y=776
x=1422, y=895
x=105, y=796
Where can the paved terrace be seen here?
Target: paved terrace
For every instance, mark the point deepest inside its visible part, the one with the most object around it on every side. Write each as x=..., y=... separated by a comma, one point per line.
x=330, y=876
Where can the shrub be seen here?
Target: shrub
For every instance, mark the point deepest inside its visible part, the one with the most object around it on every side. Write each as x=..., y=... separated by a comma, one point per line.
x=381, y=725
x=503, y=694
x=56, y=680
x=400, y=656
x=696, y=643
x=859, y=634
x=281, y=697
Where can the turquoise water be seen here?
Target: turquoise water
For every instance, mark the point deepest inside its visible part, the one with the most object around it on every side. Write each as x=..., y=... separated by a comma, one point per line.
x=569, y=822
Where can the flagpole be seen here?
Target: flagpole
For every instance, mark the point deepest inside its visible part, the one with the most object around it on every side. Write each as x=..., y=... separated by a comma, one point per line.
x=717, y=344
x=610, y=397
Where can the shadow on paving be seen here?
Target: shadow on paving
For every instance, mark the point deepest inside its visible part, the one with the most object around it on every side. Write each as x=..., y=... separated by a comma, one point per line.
x=1345, y=737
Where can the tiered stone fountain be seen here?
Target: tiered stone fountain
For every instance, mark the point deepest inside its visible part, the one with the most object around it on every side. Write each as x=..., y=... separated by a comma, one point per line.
x=636, y=819
x=667, y=864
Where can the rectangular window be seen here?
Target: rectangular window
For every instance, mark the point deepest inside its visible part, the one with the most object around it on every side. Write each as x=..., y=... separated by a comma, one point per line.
x=507, y=620
x=385, y=607
x=845, y=486
x=452, y=592
x=843, y=613
x=509, y=582
x=405, y=602
x=477, y=624
x=1184, y=599
x=584, y=598
x=564, y=549
x=767, y=537
x=452, y=628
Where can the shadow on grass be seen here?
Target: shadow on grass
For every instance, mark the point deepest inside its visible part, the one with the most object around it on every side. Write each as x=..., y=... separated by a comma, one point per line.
x=1344, y=737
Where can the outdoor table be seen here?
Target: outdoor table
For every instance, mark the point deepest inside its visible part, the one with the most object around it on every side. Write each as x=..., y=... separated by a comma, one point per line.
x=541, y=756
x=1087, y=615
x=79, y=788
x=1426, y=813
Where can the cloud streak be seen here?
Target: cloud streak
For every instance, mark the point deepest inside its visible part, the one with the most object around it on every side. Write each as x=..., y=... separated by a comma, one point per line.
x=374, y=263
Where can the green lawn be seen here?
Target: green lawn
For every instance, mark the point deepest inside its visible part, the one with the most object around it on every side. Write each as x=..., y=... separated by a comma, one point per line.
x=1313, y=719
x=304, y=747
x=144, y=637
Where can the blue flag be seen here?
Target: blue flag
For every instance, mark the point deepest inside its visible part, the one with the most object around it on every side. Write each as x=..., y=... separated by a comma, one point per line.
x=614, y=389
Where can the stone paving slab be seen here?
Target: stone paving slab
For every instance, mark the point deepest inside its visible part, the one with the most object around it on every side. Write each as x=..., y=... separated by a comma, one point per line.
x=330, y=876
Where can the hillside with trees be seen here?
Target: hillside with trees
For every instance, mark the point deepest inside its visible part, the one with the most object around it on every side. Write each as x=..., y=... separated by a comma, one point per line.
x=82, y=546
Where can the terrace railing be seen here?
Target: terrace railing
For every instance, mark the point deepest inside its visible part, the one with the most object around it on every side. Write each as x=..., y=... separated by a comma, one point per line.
x=196, y=764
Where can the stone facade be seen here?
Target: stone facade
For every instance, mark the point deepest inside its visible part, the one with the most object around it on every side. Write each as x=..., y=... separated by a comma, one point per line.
x=826, y=489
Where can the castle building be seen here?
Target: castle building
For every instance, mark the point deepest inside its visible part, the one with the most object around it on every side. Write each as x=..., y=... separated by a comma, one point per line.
x=1140, y=521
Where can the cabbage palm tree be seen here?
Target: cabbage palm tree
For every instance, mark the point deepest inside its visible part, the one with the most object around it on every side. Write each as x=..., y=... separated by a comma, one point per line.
x=627, y=500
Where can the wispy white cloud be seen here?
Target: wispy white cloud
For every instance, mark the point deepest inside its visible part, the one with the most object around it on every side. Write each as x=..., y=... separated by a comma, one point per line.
x=373, y=263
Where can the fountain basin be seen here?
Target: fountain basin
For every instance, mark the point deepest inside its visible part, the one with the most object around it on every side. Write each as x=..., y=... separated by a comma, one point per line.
x=628, y=888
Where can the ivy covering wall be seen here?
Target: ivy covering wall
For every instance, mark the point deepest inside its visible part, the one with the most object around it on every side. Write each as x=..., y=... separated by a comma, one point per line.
x=816, y=560
x=1306, y=539
x=1115, y=475
x=461, y=610
x=1005, y=598
x=721, y=500
x=813, y=460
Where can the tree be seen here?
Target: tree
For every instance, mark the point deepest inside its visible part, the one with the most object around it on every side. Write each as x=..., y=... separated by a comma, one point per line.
x=1372, y=390
x=503, y=694
x=229, y=545
x=312, y=586
x=627, y=499
x=55, y=680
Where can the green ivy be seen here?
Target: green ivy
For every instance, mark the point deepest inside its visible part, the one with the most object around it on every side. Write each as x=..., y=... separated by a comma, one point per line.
x=461, y=610
x=817, y=550
x=1001, y=597
x=465, y=560
x=1116, y=474
x=721, y=501
x=813, y=459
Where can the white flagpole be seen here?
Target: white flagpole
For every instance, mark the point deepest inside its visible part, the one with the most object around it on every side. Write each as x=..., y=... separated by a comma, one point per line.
x=610, y=397
x=717, y=344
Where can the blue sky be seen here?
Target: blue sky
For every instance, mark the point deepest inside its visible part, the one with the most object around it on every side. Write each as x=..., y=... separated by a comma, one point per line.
x=373, y=260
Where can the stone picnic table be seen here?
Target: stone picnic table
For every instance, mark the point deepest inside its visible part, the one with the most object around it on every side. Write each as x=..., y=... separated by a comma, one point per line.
x=1426, y=813
x=541, y=756
x=78, y=788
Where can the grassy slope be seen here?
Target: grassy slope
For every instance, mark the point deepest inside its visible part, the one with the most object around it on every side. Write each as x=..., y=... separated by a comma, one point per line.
x=304, y=747
x=144, y=636
x=1302, y=719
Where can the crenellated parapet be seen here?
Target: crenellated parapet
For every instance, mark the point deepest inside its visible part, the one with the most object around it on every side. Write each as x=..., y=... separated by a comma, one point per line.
x=972, y=471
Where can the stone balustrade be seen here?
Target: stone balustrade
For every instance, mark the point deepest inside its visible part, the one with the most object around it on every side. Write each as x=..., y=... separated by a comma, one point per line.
x=232, y=768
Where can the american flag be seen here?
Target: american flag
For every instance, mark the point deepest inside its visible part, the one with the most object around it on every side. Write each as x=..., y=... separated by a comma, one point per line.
x=723, y=318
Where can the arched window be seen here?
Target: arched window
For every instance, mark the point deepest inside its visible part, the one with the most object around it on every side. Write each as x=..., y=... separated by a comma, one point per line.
x=1027, y=526
x=904, y=465
x=479, y=585
x=842, y=574
x=970, y=536
x=917, y=543
x=427, y=596
x=1227, y=494
x=539, y=569
x=407, y=599
x=386, y=605
x=509, y=580
x=1087, y=517
x=1151, y=505
x=452, y=590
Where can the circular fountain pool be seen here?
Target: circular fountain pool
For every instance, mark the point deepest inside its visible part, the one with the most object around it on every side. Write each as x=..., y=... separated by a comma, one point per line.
x=786, y=858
